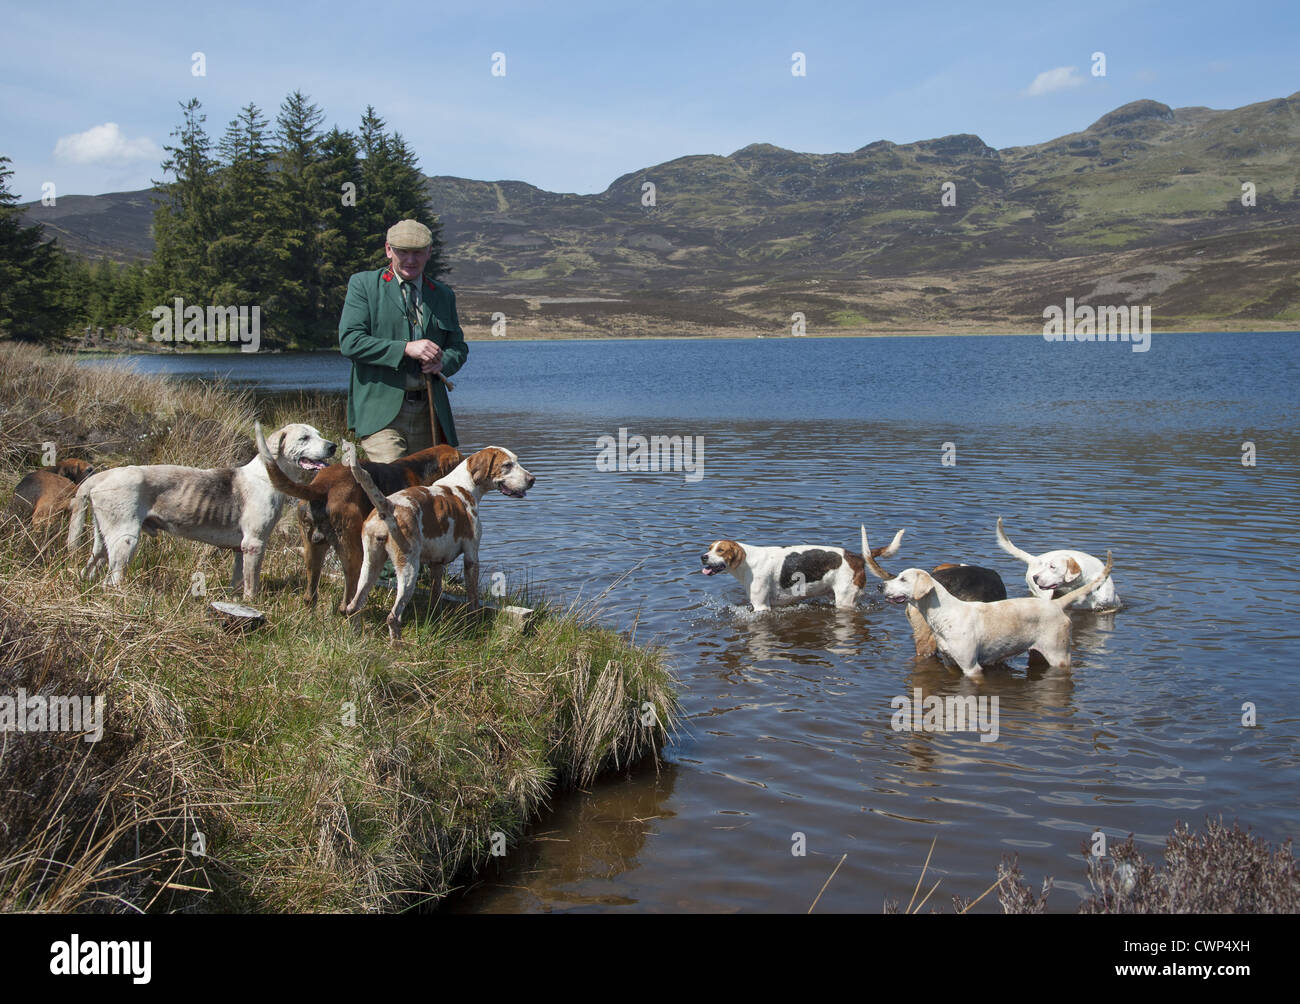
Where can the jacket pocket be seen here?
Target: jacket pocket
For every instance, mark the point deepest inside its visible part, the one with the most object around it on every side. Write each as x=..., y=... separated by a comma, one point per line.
x=440, y=332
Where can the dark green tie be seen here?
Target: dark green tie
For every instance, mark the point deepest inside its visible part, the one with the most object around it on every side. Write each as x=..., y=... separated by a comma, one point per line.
x=409, y=297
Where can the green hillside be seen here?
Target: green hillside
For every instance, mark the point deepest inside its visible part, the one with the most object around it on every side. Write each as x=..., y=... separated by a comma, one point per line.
x=1144, y=204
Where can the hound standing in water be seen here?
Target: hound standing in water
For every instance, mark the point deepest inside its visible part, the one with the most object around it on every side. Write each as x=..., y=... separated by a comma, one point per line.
x=966, y=582
x=978, y=635
x=775, y=576
x=1055, y=573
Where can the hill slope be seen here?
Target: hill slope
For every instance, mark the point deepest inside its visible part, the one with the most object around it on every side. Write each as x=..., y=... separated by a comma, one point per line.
x=860, y=240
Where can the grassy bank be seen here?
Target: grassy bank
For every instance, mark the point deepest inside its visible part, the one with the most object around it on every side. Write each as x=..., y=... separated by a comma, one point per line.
x=300, y=767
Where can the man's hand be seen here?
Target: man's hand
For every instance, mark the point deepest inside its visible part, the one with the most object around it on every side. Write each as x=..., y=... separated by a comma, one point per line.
x=426, y=353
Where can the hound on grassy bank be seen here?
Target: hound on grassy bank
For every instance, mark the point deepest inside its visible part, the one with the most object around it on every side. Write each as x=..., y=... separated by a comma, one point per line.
x=334, y=506
x=437, y=524
x=232, y=508
x=41, y=499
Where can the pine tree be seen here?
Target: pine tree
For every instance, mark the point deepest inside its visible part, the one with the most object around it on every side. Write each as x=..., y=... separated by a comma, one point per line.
x=344, y=247
x=98, y=293
x=125, y=302
x=73, y=295
x=374, y=151
x=407, y=197
x=279, y=220
x=32, y=273
x=296, y=209
x=244, y=253
x=393, y=188
x=186, y=219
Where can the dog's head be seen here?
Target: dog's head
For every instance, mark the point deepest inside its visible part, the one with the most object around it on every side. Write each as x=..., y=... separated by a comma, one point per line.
x=75, y=471
x=496, y=467
x=1052, y=571
x=722, y=556
x=911, y=584
x=298, y=450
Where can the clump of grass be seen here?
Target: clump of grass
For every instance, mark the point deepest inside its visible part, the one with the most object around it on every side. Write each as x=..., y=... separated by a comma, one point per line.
x=316, y=768
x=114, y=415
x=1218, y=870
x=92, y=826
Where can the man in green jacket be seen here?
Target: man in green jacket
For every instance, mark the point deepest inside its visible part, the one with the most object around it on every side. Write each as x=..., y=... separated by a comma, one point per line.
x=397, y=326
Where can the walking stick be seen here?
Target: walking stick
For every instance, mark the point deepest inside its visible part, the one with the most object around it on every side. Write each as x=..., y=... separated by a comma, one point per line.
x=428, y=396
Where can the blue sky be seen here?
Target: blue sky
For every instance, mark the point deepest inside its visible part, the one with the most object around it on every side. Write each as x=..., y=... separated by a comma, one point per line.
x=89, y=93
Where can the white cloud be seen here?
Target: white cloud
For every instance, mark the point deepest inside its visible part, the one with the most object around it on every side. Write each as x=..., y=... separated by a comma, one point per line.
x=1055, y=80
x=104, y=144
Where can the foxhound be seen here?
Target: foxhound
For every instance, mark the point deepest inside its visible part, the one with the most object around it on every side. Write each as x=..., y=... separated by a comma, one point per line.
x=966, y=582
x=230, y=508
x=782, y=575
x=333, y=507
x=43, y=496
x=438, y=524
x=1055, y=573
x=976, y=635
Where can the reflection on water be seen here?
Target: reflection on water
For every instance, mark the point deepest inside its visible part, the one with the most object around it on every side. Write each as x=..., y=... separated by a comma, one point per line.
x=788, y=728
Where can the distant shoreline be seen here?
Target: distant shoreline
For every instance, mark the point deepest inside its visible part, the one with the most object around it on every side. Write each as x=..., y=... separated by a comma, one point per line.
x=148, y=348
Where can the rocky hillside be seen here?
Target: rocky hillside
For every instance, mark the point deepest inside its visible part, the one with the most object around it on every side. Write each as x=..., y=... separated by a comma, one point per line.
x=1145, y=204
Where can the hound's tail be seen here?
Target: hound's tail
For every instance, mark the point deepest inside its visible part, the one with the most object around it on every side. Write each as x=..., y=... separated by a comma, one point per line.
x=1078, y=594
x=1011, y=548
x=890, y=549
x=77, y=507
x=367, y=483
x=870, y=556
x=281, y=482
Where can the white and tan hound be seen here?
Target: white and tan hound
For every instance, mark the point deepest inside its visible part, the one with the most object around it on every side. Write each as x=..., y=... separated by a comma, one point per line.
x=775, y=576
x=966, y=582
x=977, y=635
x=1055, y=573
x=438, y=524
x=232, y=508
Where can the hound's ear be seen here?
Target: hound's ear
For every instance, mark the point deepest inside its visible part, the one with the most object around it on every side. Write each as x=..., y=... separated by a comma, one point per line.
x=922, y=584
x=1072, y=568
x=730, y=552
x=483, y=463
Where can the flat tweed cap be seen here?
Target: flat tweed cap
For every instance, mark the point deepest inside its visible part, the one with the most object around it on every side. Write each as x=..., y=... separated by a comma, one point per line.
x=409, y=234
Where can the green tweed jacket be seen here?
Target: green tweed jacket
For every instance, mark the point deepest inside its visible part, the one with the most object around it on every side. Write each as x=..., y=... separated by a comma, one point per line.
x=373, y=333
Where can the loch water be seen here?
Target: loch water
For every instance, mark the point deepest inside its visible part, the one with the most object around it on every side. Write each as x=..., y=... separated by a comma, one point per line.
x=787, y=727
